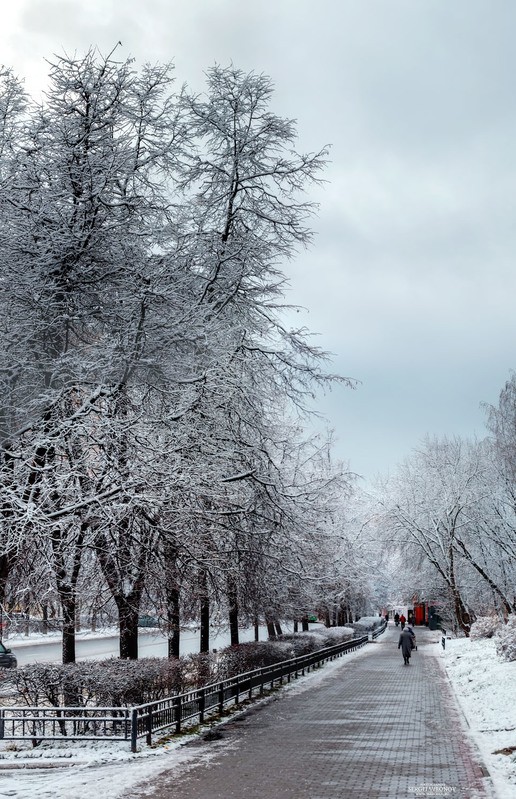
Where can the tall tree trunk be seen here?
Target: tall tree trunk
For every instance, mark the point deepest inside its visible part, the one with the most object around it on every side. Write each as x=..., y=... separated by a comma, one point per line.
x=204, y=643
x=271, y=629
x=304, y=624
x=173, y=621
x=128, y=620
x=68, y=645
x=461, y=614
x=233, y=613
x=116, y=568
x=7, y=559
x=6, y=563
x=66, y=584
x=256, y=629
x=172, y=596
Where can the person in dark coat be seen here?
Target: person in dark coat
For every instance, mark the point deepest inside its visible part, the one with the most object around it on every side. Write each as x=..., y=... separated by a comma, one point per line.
x=405, y=644
x=396, y=618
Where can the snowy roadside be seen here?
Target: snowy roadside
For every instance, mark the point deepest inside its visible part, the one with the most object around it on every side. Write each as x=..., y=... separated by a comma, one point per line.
x=19, y=639
x=485, y=687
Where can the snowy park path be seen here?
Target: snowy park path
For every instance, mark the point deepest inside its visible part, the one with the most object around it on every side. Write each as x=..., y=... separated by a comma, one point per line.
x=373, y=728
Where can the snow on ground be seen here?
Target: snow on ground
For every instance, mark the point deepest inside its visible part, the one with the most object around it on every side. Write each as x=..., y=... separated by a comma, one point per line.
x=484, y=685
x=19, y=638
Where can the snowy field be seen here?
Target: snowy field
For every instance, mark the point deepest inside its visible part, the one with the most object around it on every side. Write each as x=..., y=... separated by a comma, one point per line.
x=485, y=687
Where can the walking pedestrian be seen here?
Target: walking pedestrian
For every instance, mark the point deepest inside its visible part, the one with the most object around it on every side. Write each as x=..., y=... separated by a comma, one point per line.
x=405, y=644
x=403, y=619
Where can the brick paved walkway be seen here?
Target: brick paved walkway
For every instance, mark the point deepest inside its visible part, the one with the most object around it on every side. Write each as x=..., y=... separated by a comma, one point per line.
x=374, y=729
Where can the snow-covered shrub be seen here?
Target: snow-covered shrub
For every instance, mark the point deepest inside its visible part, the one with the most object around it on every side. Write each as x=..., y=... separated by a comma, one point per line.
x=110, y=683
x=333, y=635
x=39, y=684
x=252, y=655
x=202, y=668
x=116, y=682
x=506, y=639
x=300, y=643
x=484, y=627
x=124, y=683
x=366, y=624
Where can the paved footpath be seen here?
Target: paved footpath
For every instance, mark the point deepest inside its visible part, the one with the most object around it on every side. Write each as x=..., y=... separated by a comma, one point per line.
x=373, y=729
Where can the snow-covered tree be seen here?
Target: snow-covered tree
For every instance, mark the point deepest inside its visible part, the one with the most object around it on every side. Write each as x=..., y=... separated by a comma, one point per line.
x=147, y=377
x=441, y=502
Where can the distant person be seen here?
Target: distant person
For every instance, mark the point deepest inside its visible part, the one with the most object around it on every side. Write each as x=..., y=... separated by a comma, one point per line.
x=387, y=617
x=403, y=619
x=405, y=644
x=396, y=618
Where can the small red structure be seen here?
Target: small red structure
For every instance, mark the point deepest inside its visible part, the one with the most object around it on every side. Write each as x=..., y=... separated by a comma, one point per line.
x=421, y=613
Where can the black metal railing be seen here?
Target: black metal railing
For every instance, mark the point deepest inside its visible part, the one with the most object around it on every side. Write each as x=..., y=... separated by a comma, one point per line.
x=56, y=723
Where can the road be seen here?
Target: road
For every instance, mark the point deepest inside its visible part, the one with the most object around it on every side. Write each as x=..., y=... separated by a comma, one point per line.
x=151, y=643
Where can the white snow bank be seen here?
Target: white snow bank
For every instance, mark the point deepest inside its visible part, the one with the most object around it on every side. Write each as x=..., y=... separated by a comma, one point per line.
x=485, y=687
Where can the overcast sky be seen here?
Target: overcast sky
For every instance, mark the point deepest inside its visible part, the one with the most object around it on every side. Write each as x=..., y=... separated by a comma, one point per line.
x=410, y=282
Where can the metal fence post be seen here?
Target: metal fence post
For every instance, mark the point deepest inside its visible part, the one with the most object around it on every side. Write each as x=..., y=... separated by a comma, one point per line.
x=202, y=705
x=148, y=736
x=134, y=729
x=177, y=709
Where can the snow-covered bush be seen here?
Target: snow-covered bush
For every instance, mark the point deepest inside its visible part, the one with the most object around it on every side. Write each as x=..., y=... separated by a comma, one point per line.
x=506, y=639
x=301, y=643
x=484, y=627
x=125, y=683
x=333, y=635
x=200, y=668
x=132, y=682
x=39, y=683
x=366, y=624
x=254, y=655
x=110, y=683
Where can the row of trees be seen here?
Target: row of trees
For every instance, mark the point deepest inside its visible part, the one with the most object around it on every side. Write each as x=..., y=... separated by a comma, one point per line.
x=450, y=509
x=151, y=393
